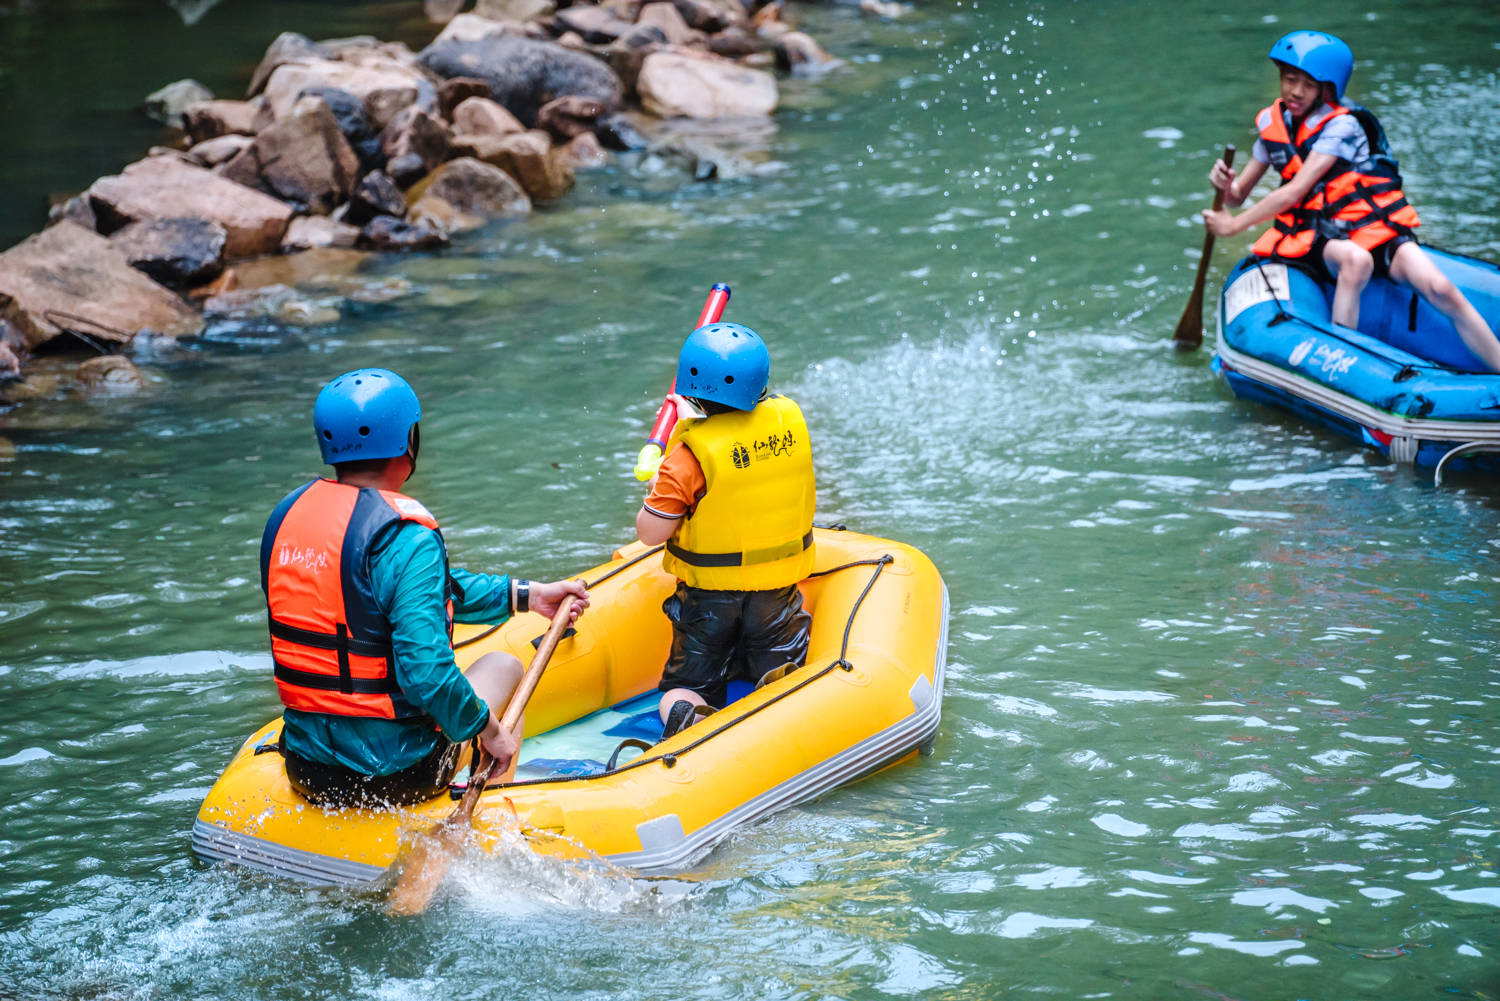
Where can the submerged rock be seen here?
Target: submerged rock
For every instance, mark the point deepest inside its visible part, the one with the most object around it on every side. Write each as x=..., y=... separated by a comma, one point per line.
x=114, y=375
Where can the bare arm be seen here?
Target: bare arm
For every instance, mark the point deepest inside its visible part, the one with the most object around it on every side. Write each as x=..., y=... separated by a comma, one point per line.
x=1225, y=223
x=653, y=529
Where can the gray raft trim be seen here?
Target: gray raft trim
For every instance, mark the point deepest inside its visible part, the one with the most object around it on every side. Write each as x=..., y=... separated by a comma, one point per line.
x=1427, y=428
x=221, y=845
x=666, y=850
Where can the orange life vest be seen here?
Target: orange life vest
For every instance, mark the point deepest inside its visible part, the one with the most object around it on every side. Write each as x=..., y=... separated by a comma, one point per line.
x=1360, y=201
x=330, y=643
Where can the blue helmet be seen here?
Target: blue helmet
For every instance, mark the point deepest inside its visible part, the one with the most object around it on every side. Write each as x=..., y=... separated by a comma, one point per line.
x=724, y=362
x=1324, y=57
x=365, y=414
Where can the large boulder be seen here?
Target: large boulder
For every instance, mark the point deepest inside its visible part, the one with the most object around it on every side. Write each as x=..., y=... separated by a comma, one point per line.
x=462, y=193
x=303, y=159
x=68, y=278
x=524, y=74
x=354, y=122
x=178, y=253
x=687, y=85
x=162, y=187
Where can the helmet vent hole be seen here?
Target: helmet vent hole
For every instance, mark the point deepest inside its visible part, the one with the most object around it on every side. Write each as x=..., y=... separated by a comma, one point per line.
x=693, y=370
x=364, y=431
x=728, y=379
x=327, y=435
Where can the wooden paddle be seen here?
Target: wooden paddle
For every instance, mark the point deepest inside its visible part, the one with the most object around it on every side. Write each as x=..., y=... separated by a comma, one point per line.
x=424, y=866
x=1189, y=332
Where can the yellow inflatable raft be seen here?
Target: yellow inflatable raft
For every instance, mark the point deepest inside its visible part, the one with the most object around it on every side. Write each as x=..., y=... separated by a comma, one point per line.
x=870, y=695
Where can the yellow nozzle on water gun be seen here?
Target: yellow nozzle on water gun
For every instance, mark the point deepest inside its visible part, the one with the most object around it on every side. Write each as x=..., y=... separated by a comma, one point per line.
x=648, y=462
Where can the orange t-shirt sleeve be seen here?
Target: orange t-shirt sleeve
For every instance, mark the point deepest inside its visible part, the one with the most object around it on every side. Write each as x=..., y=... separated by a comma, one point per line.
x=679, y=485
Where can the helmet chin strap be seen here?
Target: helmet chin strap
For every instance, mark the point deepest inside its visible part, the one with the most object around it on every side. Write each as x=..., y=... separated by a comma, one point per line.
x=413, y=446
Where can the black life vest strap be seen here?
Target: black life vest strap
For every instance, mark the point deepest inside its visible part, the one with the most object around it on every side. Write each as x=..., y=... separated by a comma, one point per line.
x=329, y=641
x=340, y=683
x=739, y=559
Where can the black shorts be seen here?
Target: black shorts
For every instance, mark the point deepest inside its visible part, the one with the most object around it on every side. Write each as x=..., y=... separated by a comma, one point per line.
x=1382, y=254
x=719, y=636
x=335, y=785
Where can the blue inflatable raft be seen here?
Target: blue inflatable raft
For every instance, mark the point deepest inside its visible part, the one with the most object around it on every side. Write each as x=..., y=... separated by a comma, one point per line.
x=1404, y=383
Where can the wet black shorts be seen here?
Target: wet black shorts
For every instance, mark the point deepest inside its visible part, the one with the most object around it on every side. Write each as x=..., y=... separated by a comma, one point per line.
x=335, y=785
x=718, y=636
x=1386, y=252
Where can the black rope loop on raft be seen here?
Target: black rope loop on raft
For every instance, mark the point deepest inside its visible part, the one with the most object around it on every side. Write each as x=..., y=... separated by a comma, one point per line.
x=1407, y=371
x=835, y=527
x=669, y=760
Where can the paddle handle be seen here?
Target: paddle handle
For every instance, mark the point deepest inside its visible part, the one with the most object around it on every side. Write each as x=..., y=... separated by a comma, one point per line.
x=649, y=461
x=538, y=664
x=1189, y=332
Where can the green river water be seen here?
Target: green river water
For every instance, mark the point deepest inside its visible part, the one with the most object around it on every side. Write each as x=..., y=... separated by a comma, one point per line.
x=1220, y=717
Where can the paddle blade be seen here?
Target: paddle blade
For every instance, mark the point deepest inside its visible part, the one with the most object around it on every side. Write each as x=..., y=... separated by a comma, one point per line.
x=423, y=869
x=1189, y=333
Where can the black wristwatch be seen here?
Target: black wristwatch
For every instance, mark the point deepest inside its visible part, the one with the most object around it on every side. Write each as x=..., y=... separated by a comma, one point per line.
x=523, y=595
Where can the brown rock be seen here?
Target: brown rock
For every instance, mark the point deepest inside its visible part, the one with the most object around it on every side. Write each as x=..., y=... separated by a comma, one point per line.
x=303, y=159
x=583, y=152
x=471, y=187
x=664, y=15
x=480, y=116
x=375, y=194
x=710, y=15
x=414, y=131
x=389, y=233
x=77, y=210
x=471, y=27
x=213, y=152
x=211, y=119
x=677, y=84
x=66, y=277
x=111, y=374
x=385, y=87
x=287, y=47
x=630, y=50
x=513, y=10
x=569, y=116
x=452, y=93
x=310, y=232
x=529, y=158
x=734, y=42
x=799, y=54
x=595, y=25
x=161, y=188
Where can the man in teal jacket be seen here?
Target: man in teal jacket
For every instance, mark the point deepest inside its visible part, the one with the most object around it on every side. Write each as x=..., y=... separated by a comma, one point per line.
x=361, y=603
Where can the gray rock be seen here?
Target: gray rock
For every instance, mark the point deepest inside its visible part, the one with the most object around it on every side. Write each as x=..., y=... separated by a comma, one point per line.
x=177, y=252
x=389, y=233
x=375, y=195
x=414, y=131
x=167, y=104
x=524, y=74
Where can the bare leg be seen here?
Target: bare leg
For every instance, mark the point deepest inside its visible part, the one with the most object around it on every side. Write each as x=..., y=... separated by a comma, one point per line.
x=678, y=695
x=1352, y=265
x=495, y=677
x=1413, y=268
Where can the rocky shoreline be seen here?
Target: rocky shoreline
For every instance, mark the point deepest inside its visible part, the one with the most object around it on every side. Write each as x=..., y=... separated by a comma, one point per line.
x=355, y=146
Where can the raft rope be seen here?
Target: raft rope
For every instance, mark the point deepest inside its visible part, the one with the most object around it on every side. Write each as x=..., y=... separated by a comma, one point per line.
x=61, y=320
x=842, y=663
x=1407, y=369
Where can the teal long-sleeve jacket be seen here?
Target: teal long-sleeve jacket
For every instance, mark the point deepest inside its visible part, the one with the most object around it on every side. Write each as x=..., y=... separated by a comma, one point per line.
x=406, y=571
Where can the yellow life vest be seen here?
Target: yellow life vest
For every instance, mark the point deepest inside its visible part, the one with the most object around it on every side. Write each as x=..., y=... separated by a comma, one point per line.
x=752, y=530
